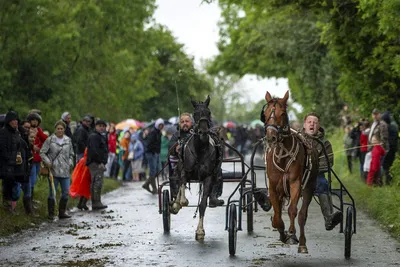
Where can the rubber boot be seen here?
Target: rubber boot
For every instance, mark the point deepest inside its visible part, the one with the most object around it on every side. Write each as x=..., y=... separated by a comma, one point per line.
x=261, y=196
x=82, y=204
x=28, y=207
x=151, y=181
x=331, y=219
x=146, y=185
x=214, y=201
x=153, y=185
x=96, y=200
x=50, y=208
x=34, y=202
x=62, y=209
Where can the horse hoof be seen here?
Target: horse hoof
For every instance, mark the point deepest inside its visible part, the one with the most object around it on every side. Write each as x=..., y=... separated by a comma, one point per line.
x=200, y=236
x=303, y=249
x=291, y=239
x=184, y=203
x=175, y=208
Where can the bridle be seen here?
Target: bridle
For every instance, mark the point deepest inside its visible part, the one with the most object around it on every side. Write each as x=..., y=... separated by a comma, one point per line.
x=282, y=131
x=203, y=117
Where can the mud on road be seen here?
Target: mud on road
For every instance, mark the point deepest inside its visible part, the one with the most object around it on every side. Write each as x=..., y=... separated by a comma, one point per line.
x=130, y=233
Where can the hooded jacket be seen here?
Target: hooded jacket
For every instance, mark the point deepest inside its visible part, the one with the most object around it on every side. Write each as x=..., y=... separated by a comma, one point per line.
x=11, y=145
x=61, y=156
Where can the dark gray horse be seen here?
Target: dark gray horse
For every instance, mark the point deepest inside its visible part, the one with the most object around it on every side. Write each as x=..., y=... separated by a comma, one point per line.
x=200, y=159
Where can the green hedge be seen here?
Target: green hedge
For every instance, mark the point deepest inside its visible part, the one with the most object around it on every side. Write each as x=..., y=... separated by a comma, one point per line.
x=381, y=203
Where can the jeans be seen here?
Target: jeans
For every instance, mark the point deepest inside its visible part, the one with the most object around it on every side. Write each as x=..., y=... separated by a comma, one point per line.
x=64, y=182
x=34, y=173
x=110, y=160
x=11, y=190
x=322, y=185
x=153, y=161
x=26, y=188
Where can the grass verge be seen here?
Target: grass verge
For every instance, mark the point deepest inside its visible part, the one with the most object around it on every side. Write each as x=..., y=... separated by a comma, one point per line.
x=10, y=224
x=381, y=203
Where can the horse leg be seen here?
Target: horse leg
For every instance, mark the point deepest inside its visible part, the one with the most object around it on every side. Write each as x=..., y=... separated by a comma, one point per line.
x=183, y=201
x=277, y=221
x=307, y=197
x=295, y=189
x=200, y=233
x=176, y=206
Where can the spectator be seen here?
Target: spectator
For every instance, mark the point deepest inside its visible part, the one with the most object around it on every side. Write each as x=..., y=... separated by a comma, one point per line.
x=81, y=136
x=363, y=148
x=348, y=146
x=136, y=151
x=380, y=129
x=393, y=138
x=112, y=148
x=377, y=153
x=35, y=120
x=24, y=130
x=97, y=155
x=124, y=145
x=66, y=118
x=13, y=161
x=153, y=155
x=58, y=155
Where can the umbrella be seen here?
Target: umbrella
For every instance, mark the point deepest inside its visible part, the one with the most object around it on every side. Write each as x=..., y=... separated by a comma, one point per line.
x=229, y=124
x=174, y=120
x=254, y=123
x=152, y=123
x=128, y=123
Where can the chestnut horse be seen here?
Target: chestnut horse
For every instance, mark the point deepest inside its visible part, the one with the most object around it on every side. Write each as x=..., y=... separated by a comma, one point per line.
x=292, y=169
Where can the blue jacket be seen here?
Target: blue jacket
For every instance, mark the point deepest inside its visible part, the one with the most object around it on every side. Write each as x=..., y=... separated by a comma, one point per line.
x=137, y=147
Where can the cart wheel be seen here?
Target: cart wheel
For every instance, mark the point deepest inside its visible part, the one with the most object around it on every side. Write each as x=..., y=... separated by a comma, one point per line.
x=232, y=229
x=348, y=232
x=249, y=211
x=166, y=215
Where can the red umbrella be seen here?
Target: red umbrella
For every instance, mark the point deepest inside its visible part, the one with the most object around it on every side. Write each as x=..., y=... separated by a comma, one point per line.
x=229, y=124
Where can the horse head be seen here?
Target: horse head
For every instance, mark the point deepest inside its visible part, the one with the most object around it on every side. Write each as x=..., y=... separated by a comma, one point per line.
x=202, y=118
x=275, y=118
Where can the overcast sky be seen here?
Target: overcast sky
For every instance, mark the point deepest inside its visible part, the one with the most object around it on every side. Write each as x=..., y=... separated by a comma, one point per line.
x=195, y=25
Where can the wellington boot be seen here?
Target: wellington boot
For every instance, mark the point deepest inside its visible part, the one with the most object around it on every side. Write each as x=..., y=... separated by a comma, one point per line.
x=28, y=207
x=62, y=209
x=50, y=208
x=146, y=185
x=331, y=220
x=82, y=204
x=214, y=201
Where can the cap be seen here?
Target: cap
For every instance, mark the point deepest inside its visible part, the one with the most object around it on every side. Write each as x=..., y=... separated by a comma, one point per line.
x=375, y=110
x=87, y=118
x=101, y=122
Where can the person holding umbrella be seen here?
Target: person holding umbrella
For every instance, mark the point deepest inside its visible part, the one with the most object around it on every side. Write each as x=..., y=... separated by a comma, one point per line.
x=57, y=154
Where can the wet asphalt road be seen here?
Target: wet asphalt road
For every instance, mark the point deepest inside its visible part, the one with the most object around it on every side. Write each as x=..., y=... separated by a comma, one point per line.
x=130, y=233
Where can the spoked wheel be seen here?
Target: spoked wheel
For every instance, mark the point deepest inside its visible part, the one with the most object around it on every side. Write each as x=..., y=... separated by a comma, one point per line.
x=249, y=211
x=348, y=232
x=166, y=215
x=232, y=230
